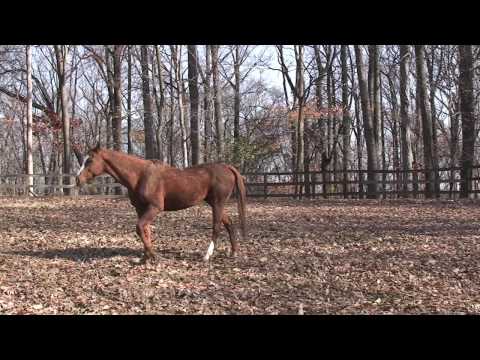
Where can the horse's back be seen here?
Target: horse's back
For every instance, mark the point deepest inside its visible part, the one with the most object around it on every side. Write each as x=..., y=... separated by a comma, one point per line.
x=182, y=188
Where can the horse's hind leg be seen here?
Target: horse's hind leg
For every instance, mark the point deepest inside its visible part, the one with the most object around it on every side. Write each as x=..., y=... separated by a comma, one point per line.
x=217, y=210
x=227, y=222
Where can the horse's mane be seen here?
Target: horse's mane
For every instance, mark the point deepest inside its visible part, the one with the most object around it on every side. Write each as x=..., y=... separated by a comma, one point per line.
x=136, y=157
x=158, y=162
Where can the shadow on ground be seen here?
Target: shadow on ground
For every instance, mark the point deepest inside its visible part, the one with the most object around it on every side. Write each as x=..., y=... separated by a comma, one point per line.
x=85, y=254
x=80, y=254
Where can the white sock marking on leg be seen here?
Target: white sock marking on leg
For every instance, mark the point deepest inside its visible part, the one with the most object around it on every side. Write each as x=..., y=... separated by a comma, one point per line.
x=209, y=251
x=83, y=165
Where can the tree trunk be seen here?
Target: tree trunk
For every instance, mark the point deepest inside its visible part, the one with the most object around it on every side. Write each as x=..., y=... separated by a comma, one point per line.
x=384, y=154
x=329, y=142
x=161, y=105
x=406, y=127
x=372, y=153
x=217, y=102
x=194, y=103
x=468, y=120
x=426, y=122
x=395, y=146
x=176, y=56
x=159, y=102
x=147, y=106
x=61, y=53
x=433, y=113
x=454, y=136
x=111, y=96
x=346, y=120
x=29, y=120
x=117, y=108
x=376, y=99
x=129, y=100
x=207, y=107
x=117, y=96
x=319, y=94
x=300, y=89
x=236, y=109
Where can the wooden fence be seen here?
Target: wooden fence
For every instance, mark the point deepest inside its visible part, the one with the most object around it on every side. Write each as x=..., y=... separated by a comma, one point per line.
x=56, y=184
x=353, y=183
x=315, y=184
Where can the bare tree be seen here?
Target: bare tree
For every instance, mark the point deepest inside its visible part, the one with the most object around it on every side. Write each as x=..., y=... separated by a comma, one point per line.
x=300, y=94
x=176, y=61
x=129, y=99
x=406, y=127
x=194, y=103
x=426, y=121
x=29, y=143
x=219, y=126
x=322, y=129
x=160, y=101
x=147, y=106
x=61, y=53
x=468, y=120
x=369, y=131
x=207, y=105
x=117, y=97
x=346, y=118
x=375, y=92
x=298, y=91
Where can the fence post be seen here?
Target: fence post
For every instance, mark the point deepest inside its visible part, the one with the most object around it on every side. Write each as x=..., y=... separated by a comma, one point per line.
x=360, y=184
x=74, y=190
x=25, y=184
x=265, y=186
x=314, y=184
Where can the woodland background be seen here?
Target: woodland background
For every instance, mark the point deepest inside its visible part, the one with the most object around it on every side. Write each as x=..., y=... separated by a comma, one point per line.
x=262, y=108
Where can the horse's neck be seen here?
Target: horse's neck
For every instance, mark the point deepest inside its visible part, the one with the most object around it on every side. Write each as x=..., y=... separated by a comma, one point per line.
x=124, y=168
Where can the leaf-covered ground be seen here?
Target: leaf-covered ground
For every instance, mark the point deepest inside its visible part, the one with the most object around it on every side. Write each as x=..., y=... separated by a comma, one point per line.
x=74, y=256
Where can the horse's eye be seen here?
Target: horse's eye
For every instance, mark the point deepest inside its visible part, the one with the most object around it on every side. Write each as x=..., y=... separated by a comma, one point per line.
x=88, y=162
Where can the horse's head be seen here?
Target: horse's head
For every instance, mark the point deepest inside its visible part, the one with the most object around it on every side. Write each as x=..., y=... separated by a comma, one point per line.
x=93, y=165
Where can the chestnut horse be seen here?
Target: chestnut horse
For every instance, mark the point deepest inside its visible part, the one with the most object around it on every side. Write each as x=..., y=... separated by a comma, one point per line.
x=154, y=187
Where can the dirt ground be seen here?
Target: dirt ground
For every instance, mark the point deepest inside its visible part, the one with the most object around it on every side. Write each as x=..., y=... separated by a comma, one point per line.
x=75, y=256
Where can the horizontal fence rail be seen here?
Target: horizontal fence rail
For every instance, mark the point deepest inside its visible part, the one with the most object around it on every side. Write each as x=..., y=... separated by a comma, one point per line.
x=314, y=184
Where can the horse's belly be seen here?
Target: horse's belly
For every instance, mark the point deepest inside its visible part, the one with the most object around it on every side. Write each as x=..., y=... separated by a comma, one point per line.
x=172, y=204
x=181, y=201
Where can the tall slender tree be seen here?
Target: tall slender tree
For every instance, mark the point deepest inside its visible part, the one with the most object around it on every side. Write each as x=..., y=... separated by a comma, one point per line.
x=465, y=65
x=346, y=118
x=61, y=54
x=129, y=100
x=29, y=143
x=194, y=103
x=406, y=126
x=117, y=97
x=160, y=101
x=207, y=106
x=369, y=131
x=150, y=151
x=176, y=57
x=426, y=121
x=217, y=88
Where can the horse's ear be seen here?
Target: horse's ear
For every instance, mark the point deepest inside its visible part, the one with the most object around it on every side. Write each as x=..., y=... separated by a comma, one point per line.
x=97, y=147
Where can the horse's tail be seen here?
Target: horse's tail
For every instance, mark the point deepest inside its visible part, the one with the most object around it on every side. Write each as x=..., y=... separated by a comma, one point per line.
x=241, y=199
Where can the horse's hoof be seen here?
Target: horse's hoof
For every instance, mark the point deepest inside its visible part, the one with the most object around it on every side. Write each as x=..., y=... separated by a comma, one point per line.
x=138, y=261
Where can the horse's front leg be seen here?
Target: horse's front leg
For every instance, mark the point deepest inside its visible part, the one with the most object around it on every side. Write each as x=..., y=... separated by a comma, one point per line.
x=140, y=210
x=143, y=230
